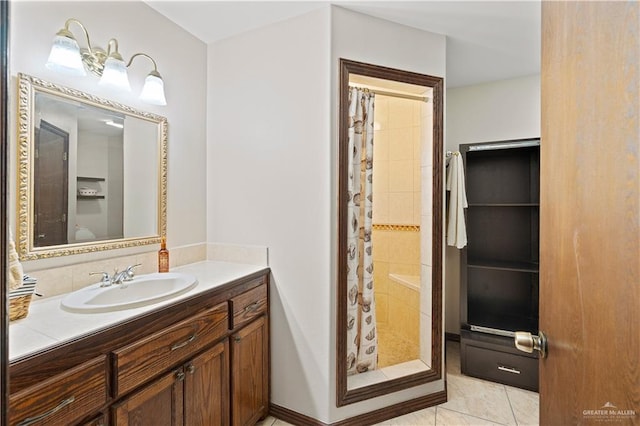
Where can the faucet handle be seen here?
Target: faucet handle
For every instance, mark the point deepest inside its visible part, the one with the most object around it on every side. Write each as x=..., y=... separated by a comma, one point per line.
x=128, y=272
x=105, y=280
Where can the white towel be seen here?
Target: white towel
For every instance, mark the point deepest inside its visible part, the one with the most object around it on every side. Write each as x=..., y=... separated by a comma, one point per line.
x=15, y=268
x=456, y=229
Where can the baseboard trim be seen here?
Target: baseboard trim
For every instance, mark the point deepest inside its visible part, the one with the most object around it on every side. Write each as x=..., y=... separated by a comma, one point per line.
x=293, y=417
x=371, y=418
x=452, y=337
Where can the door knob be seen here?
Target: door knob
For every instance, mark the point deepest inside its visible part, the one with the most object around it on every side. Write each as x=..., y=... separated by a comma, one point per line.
x=526, y=342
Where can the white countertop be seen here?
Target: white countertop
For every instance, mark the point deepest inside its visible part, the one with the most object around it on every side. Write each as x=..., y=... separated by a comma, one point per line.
x=48, y=325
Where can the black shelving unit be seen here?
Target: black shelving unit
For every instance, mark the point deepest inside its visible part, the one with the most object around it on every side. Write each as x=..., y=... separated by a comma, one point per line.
x=500, y=265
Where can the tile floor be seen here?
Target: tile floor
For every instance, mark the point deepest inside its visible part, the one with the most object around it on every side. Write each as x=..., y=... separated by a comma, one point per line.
x=471, y=402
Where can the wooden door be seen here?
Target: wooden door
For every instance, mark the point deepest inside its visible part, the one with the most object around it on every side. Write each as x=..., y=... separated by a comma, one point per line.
x=50, y=185
x=249, y=367
x=590, y=194
x=206, y=388
x=158, y=404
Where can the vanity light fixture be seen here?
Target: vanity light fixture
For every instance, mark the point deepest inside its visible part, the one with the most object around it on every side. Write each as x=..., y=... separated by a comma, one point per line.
x=66, y=56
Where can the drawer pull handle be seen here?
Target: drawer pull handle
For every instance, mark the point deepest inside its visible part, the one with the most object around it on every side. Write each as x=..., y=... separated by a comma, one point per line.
x=180, y=375
x=508, y=369
x=31, y=420
x=191, y=368
x=185, y=343
x=252, y=307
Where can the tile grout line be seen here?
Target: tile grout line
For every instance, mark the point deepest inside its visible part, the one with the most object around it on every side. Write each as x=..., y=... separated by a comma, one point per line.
x=474, y=416
x=513, y=413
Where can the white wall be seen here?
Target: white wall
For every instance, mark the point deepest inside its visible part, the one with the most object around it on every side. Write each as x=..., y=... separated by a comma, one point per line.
x=181, y=61
x=501, y=110
x=271, y=164
x=268, y=184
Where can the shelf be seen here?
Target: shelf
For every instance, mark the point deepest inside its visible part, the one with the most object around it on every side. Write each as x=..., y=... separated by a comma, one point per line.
x=504, y=265
x=90, y=197
x=90, y=179
x=503, y=322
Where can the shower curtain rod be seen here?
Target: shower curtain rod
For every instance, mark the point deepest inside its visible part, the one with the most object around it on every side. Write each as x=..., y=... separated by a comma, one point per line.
x=393, y=94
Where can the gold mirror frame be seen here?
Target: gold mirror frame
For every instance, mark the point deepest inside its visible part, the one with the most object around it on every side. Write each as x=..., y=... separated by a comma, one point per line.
x=27, y=88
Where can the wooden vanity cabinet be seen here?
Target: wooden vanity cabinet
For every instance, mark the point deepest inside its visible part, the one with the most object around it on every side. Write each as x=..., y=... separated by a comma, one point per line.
x=195, y=394
x=66, y=397
x=201, y=361
x=249, y=373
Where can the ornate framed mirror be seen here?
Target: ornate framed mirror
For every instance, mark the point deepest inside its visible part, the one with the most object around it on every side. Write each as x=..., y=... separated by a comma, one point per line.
x=92, y=173
x=390, y=178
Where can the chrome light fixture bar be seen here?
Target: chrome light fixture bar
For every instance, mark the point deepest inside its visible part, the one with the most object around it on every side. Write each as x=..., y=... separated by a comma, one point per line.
x=67, y=57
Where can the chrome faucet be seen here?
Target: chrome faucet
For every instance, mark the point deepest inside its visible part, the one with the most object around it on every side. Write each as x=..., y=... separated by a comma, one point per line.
x=126, y=275
x=106, y=279
x=117, y=277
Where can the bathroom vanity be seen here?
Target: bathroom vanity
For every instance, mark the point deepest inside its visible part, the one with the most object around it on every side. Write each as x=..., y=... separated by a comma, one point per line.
x=201, y=358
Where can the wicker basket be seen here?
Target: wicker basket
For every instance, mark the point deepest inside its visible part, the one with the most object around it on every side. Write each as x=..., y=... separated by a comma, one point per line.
x=20, y=299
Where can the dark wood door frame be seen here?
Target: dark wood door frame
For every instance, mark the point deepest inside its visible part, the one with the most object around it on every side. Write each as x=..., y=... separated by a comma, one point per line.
x=4, y=315
x=345, y=396
x=61, y=197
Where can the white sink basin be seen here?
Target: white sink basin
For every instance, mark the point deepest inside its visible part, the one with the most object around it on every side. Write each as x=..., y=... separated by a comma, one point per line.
x=142, y=290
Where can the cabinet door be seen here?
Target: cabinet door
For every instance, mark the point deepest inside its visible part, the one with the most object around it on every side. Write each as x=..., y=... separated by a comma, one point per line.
x=158, y=404
x=249, y=373
x=206, y=388
x=100, y=420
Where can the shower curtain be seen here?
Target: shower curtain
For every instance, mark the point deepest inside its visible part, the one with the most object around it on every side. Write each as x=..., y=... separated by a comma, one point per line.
x=362, y=341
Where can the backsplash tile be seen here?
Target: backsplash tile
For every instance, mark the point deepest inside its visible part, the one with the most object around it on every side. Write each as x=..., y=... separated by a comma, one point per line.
x=54, y=281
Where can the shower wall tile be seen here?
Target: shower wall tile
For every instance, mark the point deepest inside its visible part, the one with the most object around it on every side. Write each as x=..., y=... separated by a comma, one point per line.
x=402, y=247
x=427, y=142
x=381, y=276
x=401, y=143
x=425, y=338
x=401, y=176
x=417, y=112
x=381, y=177
x=401, y=208
x=426, y=289
x=416, y=138
x=427, y=190
x=404, y=269
x=381, y=145
x=381, y=113
x=426, y=241
x=381, y=207
x=382, y=308
x=417, y=207
x=380, y=245
x=400, y=113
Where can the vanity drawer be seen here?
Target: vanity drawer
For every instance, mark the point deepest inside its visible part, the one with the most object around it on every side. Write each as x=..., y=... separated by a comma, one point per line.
x=502, y=367
x=62, y=399
x=248, y=305
x=140, y=361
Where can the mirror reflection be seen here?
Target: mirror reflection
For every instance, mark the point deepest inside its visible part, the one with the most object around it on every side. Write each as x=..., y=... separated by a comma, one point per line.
x=388, y=320
x=95, y=172
x=390, y=232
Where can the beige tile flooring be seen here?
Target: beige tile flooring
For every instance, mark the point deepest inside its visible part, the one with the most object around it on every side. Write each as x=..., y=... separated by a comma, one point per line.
x=470, y=402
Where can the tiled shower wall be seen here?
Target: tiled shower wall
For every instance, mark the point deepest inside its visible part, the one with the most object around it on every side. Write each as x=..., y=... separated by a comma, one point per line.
x=397, y=184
